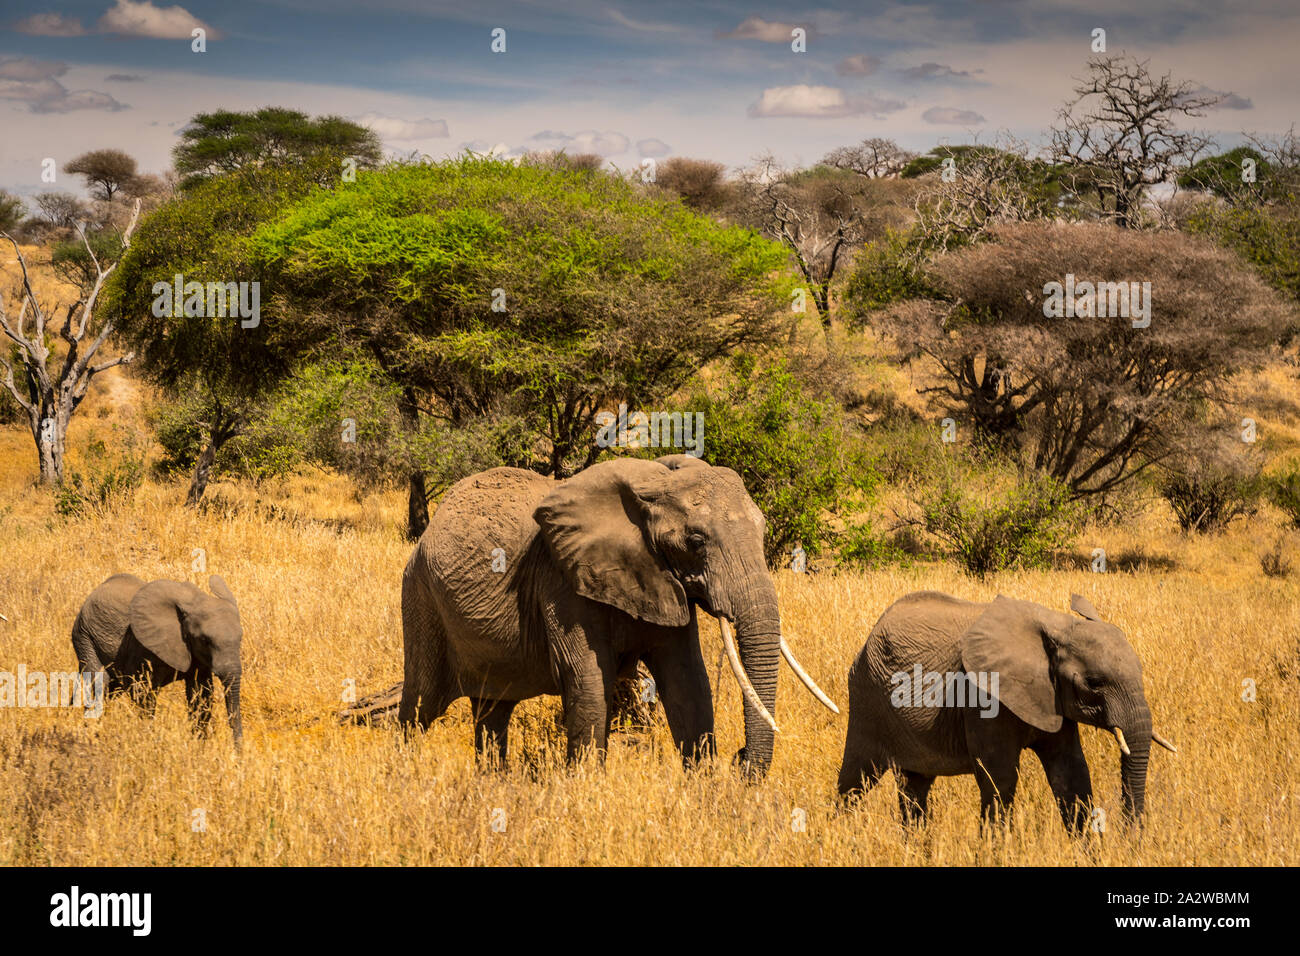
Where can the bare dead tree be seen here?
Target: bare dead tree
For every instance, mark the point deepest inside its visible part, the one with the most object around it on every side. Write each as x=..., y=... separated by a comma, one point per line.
x=983, y=187
x=1120, y=135
x=49, y=396
x=1283, y=157
x=820, y=215
x=875, y=158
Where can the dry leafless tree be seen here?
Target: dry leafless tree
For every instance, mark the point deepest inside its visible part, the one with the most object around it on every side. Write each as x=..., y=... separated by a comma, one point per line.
x=1121, y=134
x=51, y=395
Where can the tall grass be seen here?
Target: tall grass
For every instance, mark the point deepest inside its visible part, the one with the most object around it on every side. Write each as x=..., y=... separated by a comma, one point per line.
x=320, y=606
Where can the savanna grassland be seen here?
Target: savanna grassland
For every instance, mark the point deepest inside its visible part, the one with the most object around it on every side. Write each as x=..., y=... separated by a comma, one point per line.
x=317, y=566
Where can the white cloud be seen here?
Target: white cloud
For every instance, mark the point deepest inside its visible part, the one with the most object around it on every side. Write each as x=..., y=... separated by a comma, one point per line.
x=653, y=147
x=50, y=25
x=767, y=31
x=642, y=25
x=71, y=100
x=143, y=19
x=30, y=68
x=32, y=81
x=819, y=102
x=933, y=71
x=30, y=91
x=863, y=64
x=950, y=116
x=392, y=128
x=607, y=143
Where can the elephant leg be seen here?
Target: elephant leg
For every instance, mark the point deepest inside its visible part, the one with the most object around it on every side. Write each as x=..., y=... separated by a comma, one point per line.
x=587, y=691
x=146, y=697
x=84, y=647
x=491, y=726
x=913, y=795
x=863, y=762
x=198, y=696
x=1061, y=755
x=428, y=686
x=682, y=683
x=858, y=775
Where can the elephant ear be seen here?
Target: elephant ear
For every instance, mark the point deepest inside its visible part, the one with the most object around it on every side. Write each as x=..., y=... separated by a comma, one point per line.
x=155, y=616
x=217, y=585
x=594, y=524
x=1009, y=640
x=1082, y=606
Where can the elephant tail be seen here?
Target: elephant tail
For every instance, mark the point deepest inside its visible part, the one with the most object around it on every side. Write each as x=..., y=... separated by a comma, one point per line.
x=428, y=687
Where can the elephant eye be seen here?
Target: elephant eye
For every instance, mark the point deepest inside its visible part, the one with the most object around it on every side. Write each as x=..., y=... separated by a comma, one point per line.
x=695, y=539
x=1095, y=681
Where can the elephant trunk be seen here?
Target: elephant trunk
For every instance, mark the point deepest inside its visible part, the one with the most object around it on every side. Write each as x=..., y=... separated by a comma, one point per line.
x=758, y=634
x=230, y=680
x=1136, y=731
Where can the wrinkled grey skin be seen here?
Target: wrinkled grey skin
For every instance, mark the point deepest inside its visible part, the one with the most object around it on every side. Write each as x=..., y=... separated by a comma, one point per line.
x=144, y=636
x=601, y=570
x=1055, y=671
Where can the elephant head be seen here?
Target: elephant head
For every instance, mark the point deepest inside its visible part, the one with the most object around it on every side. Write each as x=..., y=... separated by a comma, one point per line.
x=1053, y=666
x=651, y=538
x=187, y=629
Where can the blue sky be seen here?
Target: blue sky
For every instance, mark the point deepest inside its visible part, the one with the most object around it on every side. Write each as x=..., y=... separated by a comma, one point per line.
x=624, y=79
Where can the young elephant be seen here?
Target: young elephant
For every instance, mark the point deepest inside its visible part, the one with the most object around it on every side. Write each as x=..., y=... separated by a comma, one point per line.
x=1022, y=675
x=144, y=636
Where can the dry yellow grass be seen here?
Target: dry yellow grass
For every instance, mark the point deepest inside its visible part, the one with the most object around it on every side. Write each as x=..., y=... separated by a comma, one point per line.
x=320, y=604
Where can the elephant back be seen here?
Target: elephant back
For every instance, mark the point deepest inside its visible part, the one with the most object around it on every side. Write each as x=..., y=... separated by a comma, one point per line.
x=477, y=544
x=104, y=620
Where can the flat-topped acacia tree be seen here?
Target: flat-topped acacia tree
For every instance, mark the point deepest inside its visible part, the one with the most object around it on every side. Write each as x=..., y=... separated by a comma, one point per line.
x=487, y=289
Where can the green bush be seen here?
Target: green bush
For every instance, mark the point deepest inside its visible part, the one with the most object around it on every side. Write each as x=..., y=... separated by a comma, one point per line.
x=1266, y=237
x=104, y=481
x=796, y=452
x=1283, y=490
x=1021, y=527
x=886, y=271
x=1207, y=494
x=861, y=548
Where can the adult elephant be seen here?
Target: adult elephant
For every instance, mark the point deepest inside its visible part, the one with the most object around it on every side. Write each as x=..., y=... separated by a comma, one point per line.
x=1037, y=674
x=523, y=585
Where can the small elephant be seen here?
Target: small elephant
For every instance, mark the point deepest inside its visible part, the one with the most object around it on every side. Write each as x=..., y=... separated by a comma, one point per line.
x=944, y=686
x=523, y=585
x=144, y=636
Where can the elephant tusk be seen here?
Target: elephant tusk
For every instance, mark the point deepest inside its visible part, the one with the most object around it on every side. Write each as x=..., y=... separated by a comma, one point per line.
x=733, y=658
x=1123, y=746
x=1163, y=743
x=803, y=676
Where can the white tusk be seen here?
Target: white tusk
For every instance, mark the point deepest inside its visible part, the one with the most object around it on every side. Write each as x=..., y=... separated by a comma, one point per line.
x=733, y=658
x=1123, y=746
x=803, y=676
x=1163, y=743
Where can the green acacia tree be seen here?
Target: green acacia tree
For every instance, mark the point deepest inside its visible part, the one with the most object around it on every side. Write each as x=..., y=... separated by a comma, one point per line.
x=225, y=141
x=224, y=368
x=487, y=290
